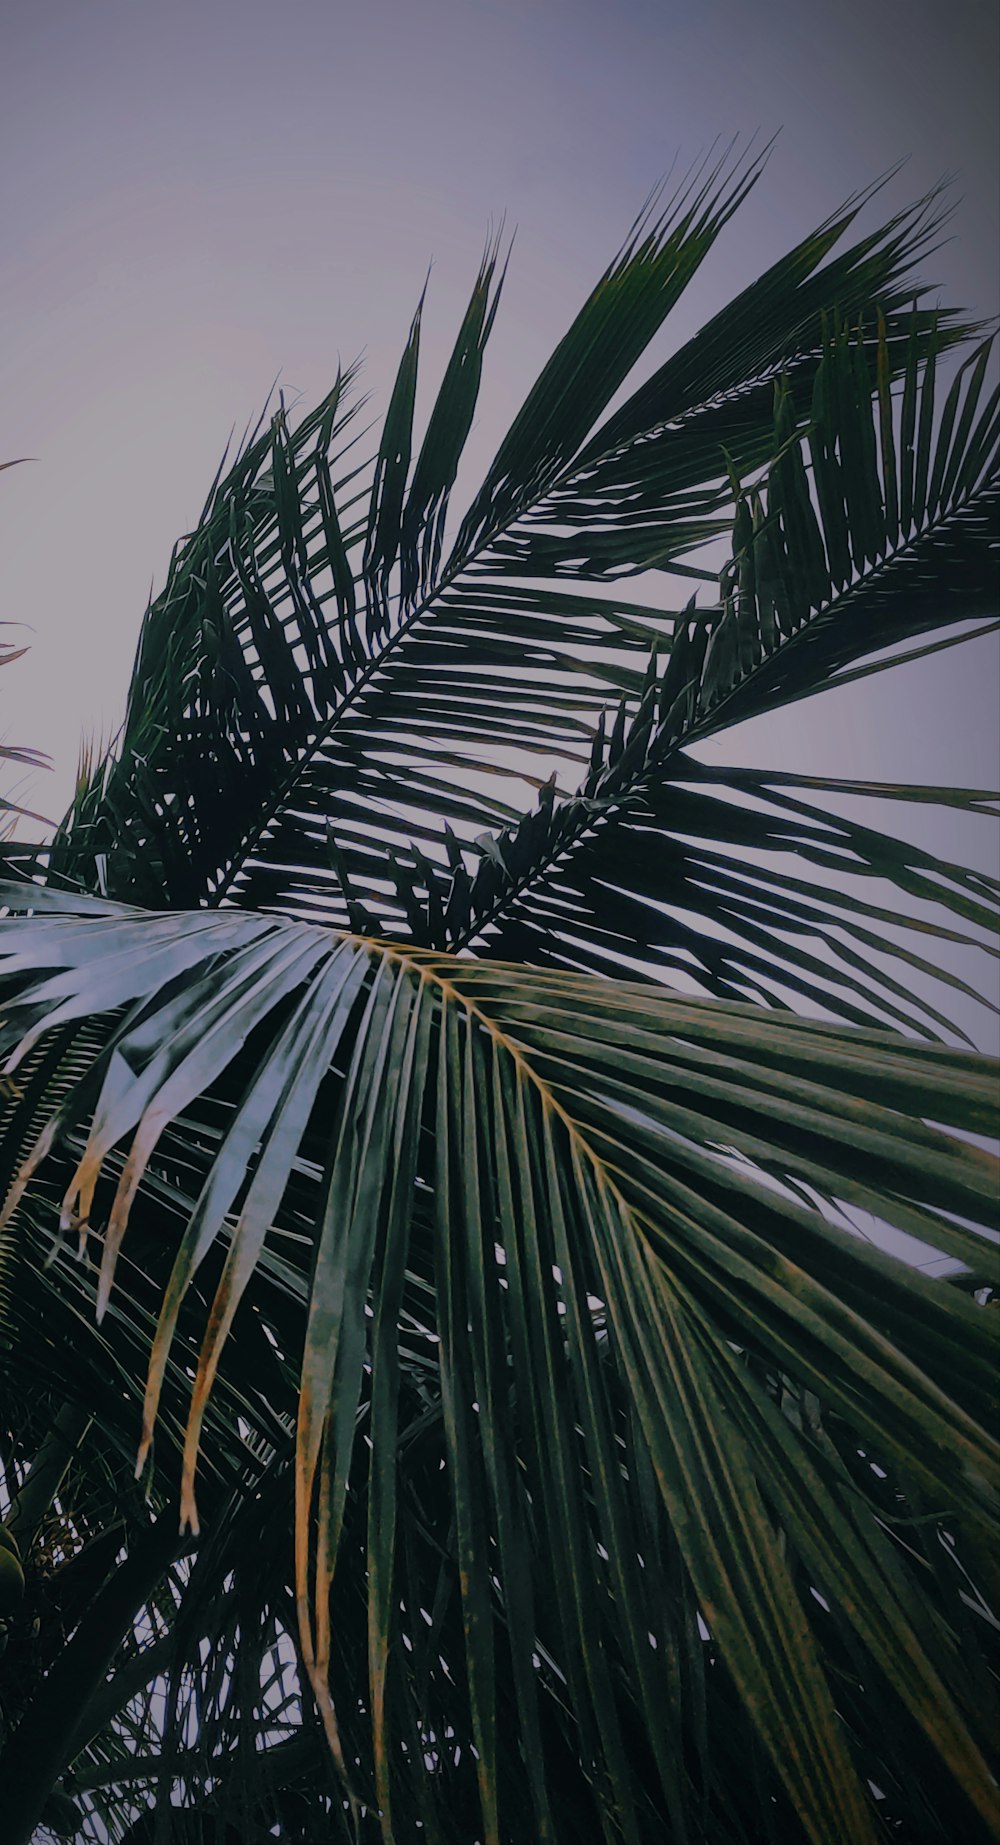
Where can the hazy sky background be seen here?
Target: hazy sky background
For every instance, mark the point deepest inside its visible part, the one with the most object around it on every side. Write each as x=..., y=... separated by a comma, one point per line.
x=198, y=196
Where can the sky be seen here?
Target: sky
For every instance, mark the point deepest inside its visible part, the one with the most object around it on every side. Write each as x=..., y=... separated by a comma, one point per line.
x=201, y=197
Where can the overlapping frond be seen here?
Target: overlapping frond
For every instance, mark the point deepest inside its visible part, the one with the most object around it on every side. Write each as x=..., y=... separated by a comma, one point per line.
x=889, y=532
x=333, y=701
x=639, y=1489
x=740, y=882
x=562, y=1246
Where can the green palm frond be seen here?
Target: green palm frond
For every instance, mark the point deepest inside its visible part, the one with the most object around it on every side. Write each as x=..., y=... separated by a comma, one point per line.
x=734, y=879
x=331, y=704
x=640, y=1487
x=561, y=1194
x=813, y=588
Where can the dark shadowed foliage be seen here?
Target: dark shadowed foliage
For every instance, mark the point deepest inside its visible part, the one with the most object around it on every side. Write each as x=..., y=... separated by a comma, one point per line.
x=515, y=1189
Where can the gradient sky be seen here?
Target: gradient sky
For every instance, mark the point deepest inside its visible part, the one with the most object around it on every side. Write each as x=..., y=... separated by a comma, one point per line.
x=198, y=196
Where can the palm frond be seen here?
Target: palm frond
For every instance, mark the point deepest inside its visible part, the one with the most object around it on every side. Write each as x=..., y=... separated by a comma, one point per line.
x=562, y=1245
x=732, y=879
x=815, y=586
x=639, y=1487
x=330, y=705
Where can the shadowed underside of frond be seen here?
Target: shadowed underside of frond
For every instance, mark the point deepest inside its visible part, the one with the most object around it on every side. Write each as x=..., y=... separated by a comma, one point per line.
x=565, y=1245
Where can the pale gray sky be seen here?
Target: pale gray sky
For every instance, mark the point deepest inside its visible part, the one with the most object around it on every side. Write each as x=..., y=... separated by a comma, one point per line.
x=199, y=196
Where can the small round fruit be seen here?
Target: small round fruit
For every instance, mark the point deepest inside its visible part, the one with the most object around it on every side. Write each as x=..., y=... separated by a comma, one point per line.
x=11, y=1582
x=9, y=1542
x=62, y=1815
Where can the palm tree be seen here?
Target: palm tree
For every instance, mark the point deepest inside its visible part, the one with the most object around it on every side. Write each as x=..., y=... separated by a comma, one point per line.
x=453, y=1136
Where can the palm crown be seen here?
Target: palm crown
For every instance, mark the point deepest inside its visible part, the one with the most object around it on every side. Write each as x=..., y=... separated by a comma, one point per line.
x=454, y=1127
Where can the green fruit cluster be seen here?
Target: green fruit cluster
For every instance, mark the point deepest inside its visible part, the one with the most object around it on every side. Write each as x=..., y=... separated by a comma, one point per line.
x=11, y=1573
x=62, y=1815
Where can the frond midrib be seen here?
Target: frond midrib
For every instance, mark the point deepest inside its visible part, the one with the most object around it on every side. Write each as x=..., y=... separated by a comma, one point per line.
x=718, y=717
x=547, y=492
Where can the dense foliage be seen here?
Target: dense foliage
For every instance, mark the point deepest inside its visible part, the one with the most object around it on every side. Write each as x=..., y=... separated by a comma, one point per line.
x=453, y=1137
